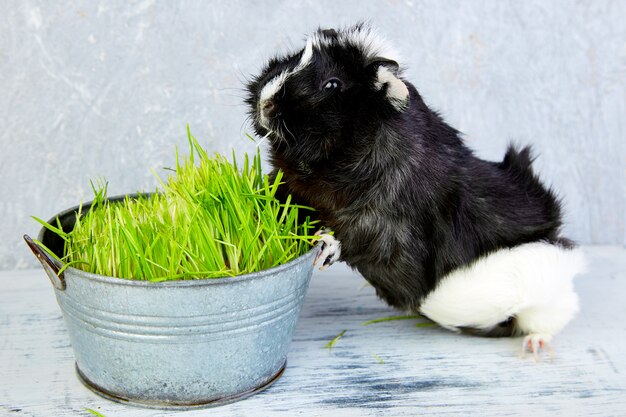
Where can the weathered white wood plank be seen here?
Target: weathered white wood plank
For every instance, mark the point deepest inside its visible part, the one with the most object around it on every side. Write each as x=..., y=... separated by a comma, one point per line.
x=425, y=370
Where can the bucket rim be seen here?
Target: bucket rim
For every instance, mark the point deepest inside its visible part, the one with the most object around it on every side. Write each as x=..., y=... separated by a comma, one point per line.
x=171, y=283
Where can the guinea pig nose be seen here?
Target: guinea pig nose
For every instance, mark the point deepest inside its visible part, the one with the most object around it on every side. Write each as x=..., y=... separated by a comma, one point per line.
x=269, y=108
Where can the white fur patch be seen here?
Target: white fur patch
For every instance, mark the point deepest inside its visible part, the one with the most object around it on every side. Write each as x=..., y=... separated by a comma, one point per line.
x=307, y=55
x=364, y=37
x=532, y=282
x=371, y=42
x=273, y=86
x=397, y=92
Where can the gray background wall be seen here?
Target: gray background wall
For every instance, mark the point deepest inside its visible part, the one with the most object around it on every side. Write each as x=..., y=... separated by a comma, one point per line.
x=105, y=88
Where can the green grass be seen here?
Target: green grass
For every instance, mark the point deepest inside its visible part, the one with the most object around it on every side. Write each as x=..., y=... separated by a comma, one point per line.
x=393, y=318
x=211, y=218
x=94, y=412
x=408, y=317
x=330, y=344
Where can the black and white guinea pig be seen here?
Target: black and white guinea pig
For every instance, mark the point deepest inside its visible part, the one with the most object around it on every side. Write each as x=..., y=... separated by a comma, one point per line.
x=473, y=245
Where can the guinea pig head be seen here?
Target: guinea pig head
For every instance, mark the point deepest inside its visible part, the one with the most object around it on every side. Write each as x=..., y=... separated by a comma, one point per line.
x=321, y=96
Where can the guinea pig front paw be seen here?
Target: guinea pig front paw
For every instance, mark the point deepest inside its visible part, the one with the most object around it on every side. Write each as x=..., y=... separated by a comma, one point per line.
x=535, y=342
x=331, y=249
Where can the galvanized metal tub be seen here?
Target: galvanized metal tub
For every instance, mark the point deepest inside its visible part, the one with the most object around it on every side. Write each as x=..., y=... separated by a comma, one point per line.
x=177, y=344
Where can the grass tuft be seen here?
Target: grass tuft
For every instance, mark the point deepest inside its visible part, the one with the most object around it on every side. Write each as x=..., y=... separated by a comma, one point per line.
x=211, y=218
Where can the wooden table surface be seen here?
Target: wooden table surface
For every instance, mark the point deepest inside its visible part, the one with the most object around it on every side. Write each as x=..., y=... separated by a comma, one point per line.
x=389, y=369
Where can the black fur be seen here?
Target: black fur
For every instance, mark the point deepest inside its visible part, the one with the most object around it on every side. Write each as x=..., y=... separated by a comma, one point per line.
x=408, y=201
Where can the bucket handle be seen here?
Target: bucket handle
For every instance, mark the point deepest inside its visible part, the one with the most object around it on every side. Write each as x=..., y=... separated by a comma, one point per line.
x=52, y=270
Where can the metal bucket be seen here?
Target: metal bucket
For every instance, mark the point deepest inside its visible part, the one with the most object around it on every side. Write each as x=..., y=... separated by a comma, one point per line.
x=177, y=344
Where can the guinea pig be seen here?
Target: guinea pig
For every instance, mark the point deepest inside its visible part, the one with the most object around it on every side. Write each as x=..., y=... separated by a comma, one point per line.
x=473, y=245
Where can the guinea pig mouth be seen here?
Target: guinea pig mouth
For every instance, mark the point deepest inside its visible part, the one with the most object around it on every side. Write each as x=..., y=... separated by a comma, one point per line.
x=265, y=122
x=274, y=125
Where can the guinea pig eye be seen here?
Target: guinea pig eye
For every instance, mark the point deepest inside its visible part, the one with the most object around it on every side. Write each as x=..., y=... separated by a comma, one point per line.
x=331, y=84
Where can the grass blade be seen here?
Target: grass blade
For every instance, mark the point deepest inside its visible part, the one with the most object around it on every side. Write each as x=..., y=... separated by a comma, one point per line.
x=330, y=344
x=393, y=318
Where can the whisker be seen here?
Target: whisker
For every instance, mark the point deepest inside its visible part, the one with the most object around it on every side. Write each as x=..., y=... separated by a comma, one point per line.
x=280, y=136
x=243, y=78
x=248, y=119
x=232, y=105
x=286, y=128
x=258, y=144
x=241, y=89
x=239, y=97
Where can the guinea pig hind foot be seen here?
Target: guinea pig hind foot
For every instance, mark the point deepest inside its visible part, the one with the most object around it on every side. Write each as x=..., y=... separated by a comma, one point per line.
x=535, y=343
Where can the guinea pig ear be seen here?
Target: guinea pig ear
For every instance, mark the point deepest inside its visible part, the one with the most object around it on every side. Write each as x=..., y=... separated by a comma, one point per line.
x=387, y=77
x=329, y=33
x=390, y=64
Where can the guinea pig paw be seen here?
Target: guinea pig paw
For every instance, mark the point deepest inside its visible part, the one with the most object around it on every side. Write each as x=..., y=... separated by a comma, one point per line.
x=535, y=343
x=331, y=250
